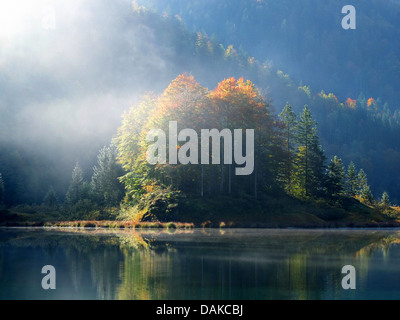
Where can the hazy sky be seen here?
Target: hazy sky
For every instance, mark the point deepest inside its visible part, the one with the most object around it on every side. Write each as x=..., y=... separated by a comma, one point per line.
x=69, y=68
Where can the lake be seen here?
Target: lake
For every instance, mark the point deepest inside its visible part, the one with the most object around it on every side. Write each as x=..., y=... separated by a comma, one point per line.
x=210, y=264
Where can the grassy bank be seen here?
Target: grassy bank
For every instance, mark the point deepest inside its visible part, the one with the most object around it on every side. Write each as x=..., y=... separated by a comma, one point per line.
x=119, y=225
x=206, y=224
x=228, y=212
x=284, y=212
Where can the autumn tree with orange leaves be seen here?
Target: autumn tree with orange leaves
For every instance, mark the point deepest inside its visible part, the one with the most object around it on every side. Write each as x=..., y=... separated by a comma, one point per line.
x=238, y=104
x=287, y=154
x=233, y=104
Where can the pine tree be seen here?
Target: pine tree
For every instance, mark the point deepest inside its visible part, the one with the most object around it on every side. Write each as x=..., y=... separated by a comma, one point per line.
x=385, y=199
x=289, y=119
x=366, y=194
x=76, y=188
x=362, y=181
x=352, y=182
x=51, y=200
x=1, y=189
x=105, y=184
x=335, y=177
x=364, y=190
x=317, y=168
x=310, y=156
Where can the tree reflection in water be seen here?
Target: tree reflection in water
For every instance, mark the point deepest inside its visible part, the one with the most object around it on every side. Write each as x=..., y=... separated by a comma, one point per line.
x=198, y=264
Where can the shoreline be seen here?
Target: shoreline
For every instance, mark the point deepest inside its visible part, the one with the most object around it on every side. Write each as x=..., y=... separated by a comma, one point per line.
x=190, y=225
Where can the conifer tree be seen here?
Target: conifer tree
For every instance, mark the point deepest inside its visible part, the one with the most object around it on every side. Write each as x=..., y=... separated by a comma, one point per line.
x=50, y=200
x=310, y=156
x=385, y=199
x=366, y=194
x=362, y=181
x=352, y=182
x=335, y=177
x=105, y=184
x=76, y=188
x=289, y=119
x=364, y=191
x=317, y=168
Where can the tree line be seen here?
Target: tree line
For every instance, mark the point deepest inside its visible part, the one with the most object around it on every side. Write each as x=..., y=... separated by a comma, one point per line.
x=85, y=199
x=359, y=129
x=288, y=154
x=304, y=170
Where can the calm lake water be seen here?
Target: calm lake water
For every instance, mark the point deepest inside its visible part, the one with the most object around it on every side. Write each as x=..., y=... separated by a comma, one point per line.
x=212, y=264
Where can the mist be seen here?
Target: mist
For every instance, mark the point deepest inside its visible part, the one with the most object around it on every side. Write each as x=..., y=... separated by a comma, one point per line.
x=68, y=70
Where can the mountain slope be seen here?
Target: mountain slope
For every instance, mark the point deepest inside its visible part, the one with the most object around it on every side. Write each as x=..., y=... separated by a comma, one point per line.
x=64, y=90
x=306, y=39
